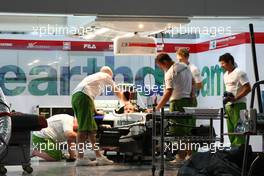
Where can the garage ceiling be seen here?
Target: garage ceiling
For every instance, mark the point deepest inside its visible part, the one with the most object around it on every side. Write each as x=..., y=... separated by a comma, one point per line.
x=105, y=28
x=138, y=7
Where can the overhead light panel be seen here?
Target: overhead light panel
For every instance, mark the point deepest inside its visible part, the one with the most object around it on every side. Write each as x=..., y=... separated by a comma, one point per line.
x=135, y=45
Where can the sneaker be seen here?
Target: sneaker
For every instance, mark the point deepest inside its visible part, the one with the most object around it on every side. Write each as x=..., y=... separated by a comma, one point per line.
x=85, y=162
x=104, y=161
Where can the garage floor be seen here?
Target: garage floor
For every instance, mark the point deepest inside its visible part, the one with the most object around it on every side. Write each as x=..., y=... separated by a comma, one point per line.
x=68, y=169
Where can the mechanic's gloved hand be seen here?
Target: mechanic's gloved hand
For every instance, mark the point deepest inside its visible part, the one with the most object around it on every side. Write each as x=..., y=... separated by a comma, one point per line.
x=228, y=97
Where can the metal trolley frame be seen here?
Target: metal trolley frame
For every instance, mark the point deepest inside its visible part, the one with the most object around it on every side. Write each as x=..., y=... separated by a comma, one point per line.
x=158, y=118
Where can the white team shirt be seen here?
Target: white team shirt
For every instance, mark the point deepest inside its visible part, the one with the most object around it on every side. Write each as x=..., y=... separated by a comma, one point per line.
x=57, y=126
x=234, y=81
x=179, y=78
x=195, y=73
x=94, y=85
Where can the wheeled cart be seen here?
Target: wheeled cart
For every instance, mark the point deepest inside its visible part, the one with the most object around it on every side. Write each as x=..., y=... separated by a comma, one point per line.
x=160, y=137
x=17, y=152
x=257, y=128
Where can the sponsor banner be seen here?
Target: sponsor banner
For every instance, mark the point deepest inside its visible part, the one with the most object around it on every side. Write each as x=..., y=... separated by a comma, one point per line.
x=242, y=38
x=41, y=74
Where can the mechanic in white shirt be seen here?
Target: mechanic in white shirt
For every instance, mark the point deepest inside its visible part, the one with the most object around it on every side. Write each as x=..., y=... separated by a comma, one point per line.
x=237, y=83
x=47, y=142
x=178, y=90
x=84, y=110
x=178, y=81
x=182, y=55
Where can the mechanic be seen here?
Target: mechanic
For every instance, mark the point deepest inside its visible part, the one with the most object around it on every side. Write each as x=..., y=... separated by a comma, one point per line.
x=84, y=109
x=47, y=142
x=237, y=83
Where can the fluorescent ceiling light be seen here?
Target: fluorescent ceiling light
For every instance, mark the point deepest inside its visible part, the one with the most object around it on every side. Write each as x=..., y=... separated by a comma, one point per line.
x=141, y=26
x=142, y=18
x=35, y=61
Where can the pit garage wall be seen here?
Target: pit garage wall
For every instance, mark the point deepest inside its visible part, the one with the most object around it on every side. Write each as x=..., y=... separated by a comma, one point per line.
x=47, y=78
x=239, y=46
x=207, y=61
x=44, y=74
x=210, y=95
x=213, y=87
x=249, y=67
